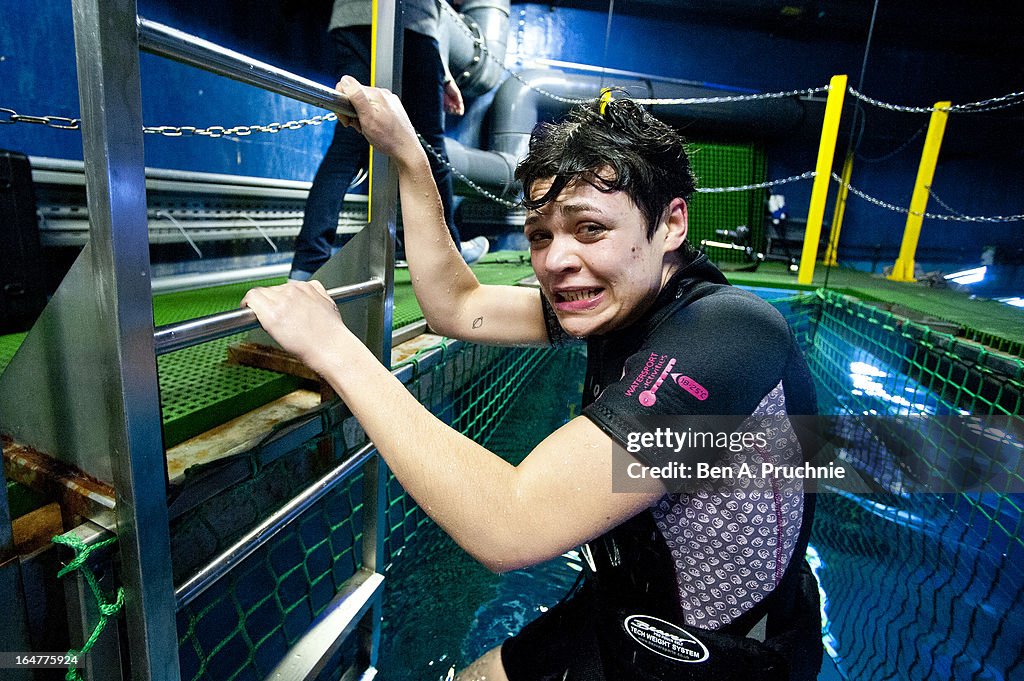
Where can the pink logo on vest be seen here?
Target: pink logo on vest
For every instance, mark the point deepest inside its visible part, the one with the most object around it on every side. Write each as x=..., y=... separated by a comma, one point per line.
x=691, y=386
x=653, y=374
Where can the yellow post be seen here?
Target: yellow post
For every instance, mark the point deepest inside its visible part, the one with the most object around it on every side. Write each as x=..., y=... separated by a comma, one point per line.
x=837, y=218
x=903, y=270
x=826, y=152
x=372, y=83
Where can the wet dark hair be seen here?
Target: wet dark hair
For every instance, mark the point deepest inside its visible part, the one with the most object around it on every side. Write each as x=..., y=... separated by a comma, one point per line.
x=624, y=148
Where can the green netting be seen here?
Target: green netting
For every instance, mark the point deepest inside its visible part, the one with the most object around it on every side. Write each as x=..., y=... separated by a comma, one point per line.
x=918, y=585
x=241, y=627
x=470, y=392
x=727, y=165
x=107, y=607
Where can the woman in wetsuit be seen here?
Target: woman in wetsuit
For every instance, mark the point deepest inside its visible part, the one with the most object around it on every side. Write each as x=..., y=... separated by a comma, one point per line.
x=686, y=578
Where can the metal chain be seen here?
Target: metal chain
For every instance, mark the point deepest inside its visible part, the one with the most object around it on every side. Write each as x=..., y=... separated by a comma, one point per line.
x=549, y=95
x=933, y=216
x=992, y=104
x=761, y=185
x=807, y=92
x=942, y=203
x=477, y=188
x=64, y=123
x=216, y=131
x=59, y=122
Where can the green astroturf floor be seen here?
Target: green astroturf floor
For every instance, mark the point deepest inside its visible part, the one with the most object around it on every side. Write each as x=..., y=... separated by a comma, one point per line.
x=199, y=389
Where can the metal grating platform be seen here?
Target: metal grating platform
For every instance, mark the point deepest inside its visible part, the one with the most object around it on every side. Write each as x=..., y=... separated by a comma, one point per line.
x=199, y=389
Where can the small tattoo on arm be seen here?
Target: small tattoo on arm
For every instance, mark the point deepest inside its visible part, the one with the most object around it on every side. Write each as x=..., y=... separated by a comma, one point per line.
x=478, y=322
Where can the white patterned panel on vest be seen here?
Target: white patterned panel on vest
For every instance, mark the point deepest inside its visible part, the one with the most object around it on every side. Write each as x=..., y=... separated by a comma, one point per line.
x=732, y=539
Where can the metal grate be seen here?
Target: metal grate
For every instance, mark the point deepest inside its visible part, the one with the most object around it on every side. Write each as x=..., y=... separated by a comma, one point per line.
x=198, y=388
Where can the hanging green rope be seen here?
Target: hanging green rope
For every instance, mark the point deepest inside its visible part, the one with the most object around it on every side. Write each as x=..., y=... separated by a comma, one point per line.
x=106, y=608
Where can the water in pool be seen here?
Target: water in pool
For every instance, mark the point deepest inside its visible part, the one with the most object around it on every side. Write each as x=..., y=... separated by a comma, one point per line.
x=914, y=587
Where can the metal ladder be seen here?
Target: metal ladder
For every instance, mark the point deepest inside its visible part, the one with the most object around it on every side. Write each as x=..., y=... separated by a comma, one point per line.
x=91, y=356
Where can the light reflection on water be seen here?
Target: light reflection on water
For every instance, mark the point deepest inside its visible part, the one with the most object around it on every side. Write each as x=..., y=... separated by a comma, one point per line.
x=443, y=609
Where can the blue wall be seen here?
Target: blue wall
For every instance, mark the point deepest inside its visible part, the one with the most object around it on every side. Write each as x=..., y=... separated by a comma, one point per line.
x=37, y=73
x=980, y=171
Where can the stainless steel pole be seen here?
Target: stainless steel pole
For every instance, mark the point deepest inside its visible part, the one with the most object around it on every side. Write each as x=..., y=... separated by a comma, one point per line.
x=111, y=102
x=189, y=49
x=193, y=332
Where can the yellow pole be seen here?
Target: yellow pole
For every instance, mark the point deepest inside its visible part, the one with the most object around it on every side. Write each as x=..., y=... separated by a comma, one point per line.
x=372, y=83
x=826, y=152
x=837, y=218
x=903, y=270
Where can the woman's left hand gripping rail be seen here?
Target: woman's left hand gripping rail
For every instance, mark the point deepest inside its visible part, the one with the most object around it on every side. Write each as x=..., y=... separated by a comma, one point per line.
x=301, y=317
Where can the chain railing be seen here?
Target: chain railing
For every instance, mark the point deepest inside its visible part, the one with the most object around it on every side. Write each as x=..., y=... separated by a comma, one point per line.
x=237, y=130
x=476, y=187
x=938, y=199
x=214, y=131
x=806, y=92
x=933, y=216
x=58, y=122
x=217, y=131
x=760, y=185
x=66, y=123
x=10, y=116
x=991, y=104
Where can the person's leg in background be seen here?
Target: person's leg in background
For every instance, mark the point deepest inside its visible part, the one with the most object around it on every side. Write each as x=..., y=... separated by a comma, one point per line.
x=347, y=153
x=423, y=97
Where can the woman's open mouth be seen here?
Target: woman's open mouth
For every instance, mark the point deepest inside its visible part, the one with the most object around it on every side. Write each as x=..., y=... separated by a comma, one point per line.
x=579, y=299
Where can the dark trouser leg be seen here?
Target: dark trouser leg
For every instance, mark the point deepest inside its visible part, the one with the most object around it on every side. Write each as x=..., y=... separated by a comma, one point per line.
x=423, y=96
x=347, y=153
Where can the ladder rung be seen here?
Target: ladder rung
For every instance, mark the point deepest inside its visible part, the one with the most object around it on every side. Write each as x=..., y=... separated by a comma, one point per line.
x=327, y=632
x=186, y=334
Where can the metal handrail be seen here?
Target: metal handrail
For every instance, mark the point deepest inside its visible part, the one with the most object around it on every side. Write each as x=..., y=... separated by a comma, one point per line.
x=203, y=329
x=183, y=47
x=362, y=604
x=268, y=529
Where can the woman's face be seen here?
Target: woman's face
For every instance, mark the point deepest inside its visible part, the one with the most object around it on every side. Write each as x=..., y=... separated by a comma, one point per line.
x=593, y=259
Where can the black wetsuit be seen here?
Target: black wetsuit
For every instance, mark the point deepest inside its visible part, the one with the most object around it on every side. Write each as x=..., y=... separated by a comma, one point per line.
x=710, y=563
